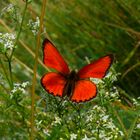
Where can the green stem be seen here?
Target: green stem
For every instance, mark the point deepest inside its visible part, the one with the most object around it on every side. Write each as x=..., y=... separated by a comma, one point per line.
x=119, y=119
x=4, y=88
x=6, y=75
x=79, y=120
x=20, y=29
x=101, y=100
x=9, y=58
x=98, y=133
x=10, y=70
x=133, y=126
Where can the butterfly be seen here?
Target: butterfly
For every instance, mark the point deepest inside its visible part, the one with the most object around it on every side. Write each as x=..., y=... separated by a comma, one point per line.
x=75, y=85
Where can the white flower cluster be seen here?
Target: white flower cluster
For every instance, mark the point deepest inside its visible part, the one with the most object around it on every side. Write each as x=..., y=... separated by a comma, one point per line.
x=20, y=87
x=9, y=8
x=137, y=126
x=103, y=125
x=12, y=11
x=56, y=121
x=113, y=95
x=111, y=76
x=136, y=102
x=34, y=25
x=7, y=41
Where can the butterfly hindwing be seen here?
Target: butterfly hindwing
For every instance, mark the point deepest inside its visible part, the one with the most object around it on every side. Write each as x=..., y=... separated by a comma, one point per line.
x=53, y=59
x=84, y=91
x=96, y=69
x=53, y=83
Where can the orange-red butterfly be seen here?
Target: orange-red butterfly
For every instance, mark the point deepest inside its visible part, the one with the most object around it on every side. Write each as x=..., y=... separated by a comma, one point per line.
x=75, y=85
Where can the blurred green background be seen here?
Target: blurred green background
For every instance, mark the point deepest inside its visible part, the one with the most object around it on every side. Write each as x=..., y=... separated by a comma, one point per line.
x=79, y=29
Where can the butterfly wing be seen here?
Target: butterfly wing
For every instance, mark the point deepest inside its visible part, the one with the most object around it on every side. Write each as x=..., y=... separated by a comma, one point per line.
x=96, y=69
x=53, y=83
x=53, y=59
x=84, y=91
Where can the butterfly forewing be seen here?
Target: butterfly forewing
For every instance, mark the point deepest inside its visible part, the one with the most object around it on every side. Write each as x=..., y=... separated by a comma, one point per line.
x=96, y=69
x=53, y=59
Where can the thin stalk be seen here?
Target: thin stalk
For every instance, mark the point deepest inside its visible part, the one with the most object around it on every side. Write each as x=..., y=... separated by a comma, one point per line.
x=20, y=29
x=10, y=70
x=130, y=69
x=6, y=75
x=133, y=126
x=98, y=133
x=123, y=28
x=131, y=54
x=119, y=119
x=9, y=58
x=4, y=88
x=101, y=99
x=79, y=120
x=35, y=68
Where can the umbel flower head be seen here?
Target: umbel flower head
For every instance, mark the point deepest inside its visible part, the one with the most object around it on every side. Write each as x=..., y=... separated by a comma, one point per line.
x=7, y=41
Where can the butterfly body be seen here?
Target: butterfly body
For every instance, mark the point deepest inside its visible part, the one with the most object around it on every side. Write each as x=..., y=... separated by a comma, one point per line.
x=75, y=85
x=71, y=79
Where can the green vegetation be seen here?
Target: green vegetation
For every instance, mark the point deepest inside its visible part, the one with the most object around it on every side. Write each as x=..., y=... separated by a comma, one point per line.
x=82, y=30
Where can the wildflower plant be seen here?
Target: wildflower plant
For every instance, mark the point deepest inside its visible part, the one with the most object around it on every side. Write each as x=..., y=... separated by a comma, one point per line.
x=89, y=120
x=112, y=115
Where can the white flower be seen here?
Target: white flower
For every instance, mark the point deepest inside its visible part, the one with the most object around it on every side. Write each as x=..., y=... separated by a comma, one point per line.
x=34, y=26
x=121, y=133
x=102, y=134
x=109, y=74
x=46, y=132
x=57, y=121
x=73, y=136
x=24, y=84
x=105, y=118
x=107, y=93
x=96, y=81
x=86, y=138
x=110, y=125
x=138, y=126
x=89, y=118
